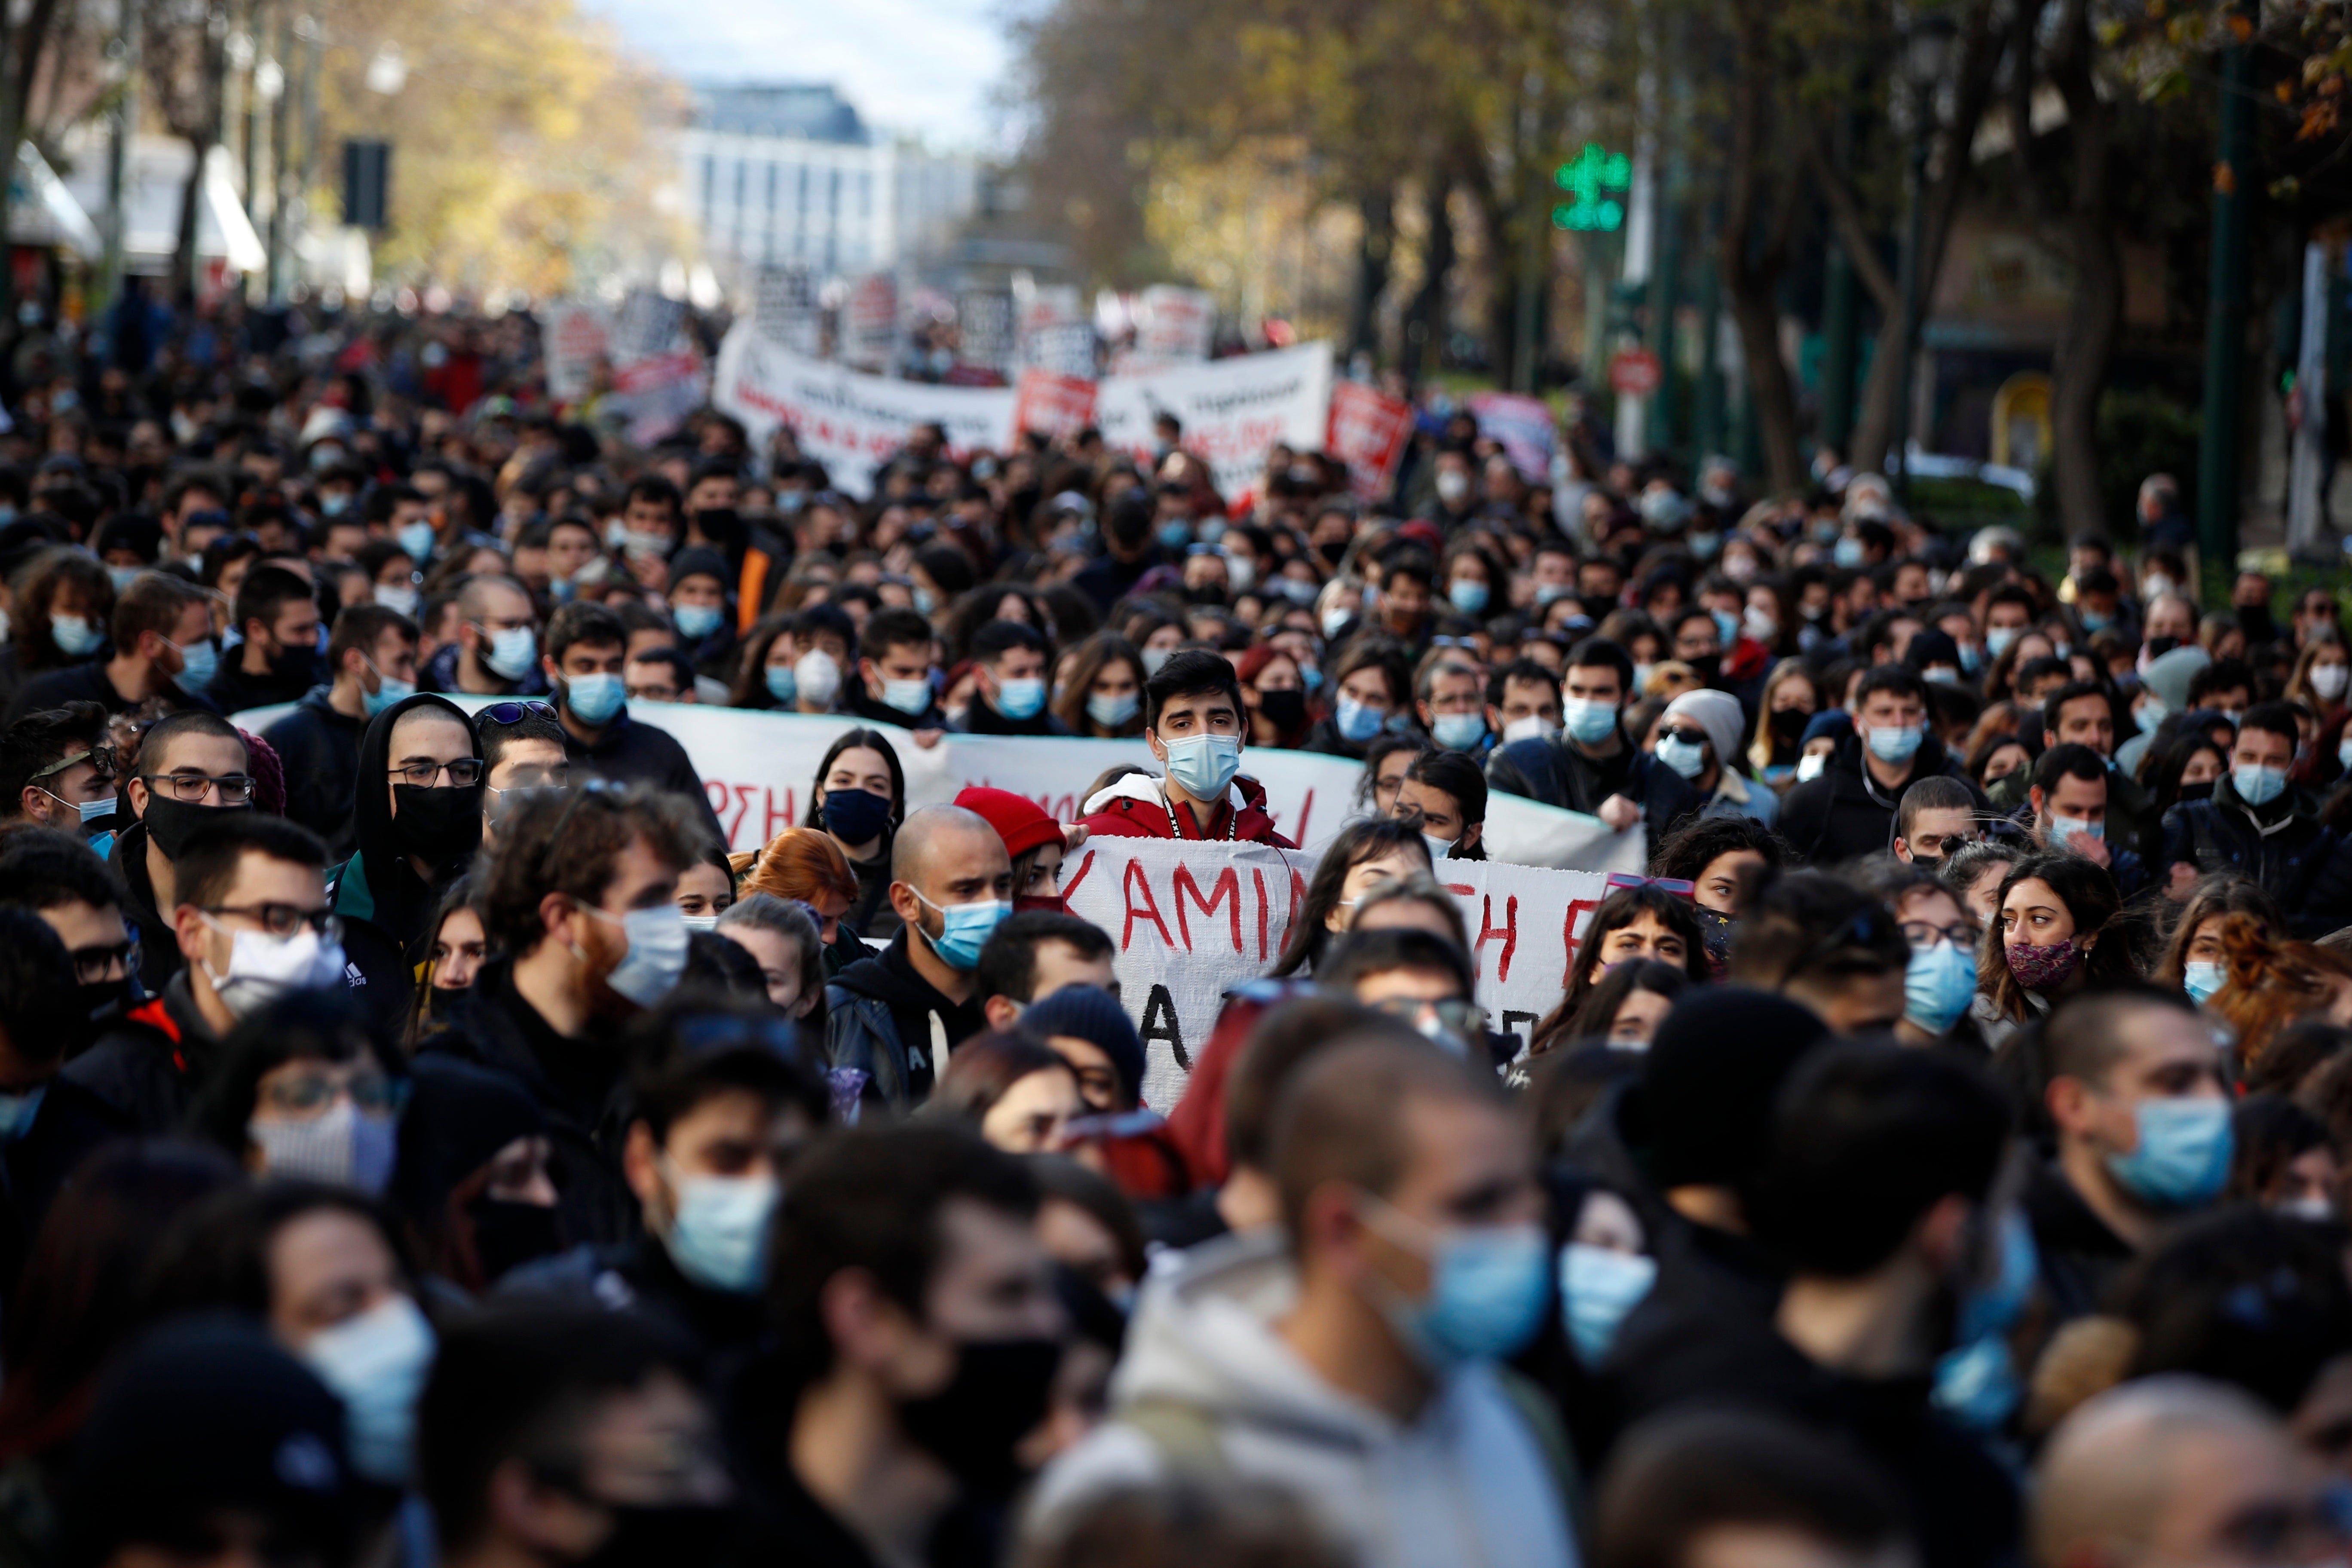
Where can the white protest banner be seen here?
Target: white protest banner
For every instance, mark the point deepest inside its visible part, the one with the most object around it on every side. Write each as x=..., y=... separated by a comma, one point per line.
x=1188, y=922
x=577, y=334
x=1232, y=410
x=1368, y=431
x=850, y=422
x=1172, y=324
x=1056, y=405
x=1524, y=426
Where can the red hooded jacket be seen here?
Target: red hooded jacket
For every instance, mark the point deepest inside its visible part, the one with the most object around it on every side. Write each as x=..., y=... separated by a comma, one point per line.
x=1134, y=807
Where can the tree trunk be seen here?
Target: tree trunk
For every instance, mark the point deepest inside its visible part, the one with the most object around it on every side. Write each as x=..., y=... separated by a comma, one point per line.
x=1427, y=310
x=1750, y=266
x=2096, y=310
x=1378, y=212
x=184, y=250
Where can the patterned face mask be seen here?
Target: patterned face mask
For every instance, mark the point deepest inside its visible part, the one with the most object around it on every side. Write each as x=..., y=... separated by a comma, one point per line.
x=2044, y=968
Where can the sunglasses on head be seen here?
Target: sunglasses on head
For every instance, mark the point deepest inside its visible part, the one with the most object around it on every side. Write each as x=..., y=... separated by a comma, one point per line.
x=515, y=712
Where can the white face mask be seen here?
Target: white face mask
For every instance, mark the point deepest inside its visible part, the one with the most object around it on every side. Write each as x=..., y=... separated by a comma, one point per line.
x=262, y=968
x=816, y=679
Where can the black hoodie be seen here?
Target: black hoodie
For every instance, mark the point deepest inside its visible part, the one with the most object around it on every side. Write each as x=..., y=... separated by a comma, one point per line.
x=387, y=909
x=320, y=749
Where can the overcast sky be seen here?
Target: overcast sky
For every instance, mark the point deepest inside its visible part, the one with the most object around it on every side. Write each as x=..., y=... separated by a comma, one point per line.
x=921, y=66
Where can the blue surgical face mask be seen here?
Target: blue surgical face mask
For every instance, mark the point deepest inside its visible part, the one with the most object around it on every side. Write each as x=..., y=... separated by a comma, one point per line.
x=376, y=1364
x=593, y=699
x=1847, y=552
x=513, y=653
x=926, y=602
x=964, y=930
x=656, y=954
x=199, y=662
x=781, y=685
x=1997, y=639
x=2150, y=716
x=908, y=697
x=1458, y=731
x=416, y=541
x=718, y=1238
x=1599, y=1288
x=1487, y=1289
x=1976, y=1381
x=76, y=636
x=1467, y=595
x=1175, y=533
x=1111, y=712
x=1204, y=765
x=2200, y=977
x=1357, y=722
x=1726, y=626
x=124, y=576
x=388, y=692
x=1019, y=698
x=1938, y=988
x=2183, y=1157
x=1641, y=673
x=1588, y=722
x=2062, y=828
x=1892, y=744
x=2256, y=784
x=696, y=622
x=1335, y=620
x=1687, y=758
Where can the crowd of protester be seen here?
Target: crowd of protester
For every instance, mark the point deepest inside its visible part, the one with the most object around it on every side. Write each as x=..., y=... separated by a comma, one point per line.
x=422, y=1141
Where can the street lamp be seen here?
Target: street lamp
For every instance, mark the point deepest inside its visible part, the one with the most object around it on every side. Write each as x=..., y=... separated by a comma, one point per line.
x=1926, y=54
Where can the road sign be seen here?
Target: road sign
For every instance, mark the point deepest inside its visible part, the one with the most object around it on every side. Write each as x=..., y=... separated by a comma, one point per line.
x=1634, y=373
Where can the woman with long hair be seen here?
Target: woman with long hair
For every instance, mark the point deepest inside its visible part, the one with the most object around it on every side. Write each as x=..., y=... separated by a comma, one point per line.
x=1791, y=697
x=1645, y=921
x=2186, y=767
x=1101, y=694
x=2193, y=958
x=1366, y=851
x=1372, y=692
x=63, y=605
x=2269, y=985
x=2057, y=927
x=804, y=865
x=859, y=798
x=1626, y=1007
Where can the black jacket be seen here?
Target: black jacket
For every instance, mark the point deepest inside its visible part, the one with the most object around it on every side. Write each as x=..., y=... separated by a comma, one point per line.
x=159, y=945
x=1557, y=773
x=1845, y=812
x=86, y=682
x=236, y=690
x=2080, y=1258
x=879, y=1022
x=580, y=1085
x=639, y=1275
x=319, y=750
x=70, y=1121
x=2303, y=865
x=630, y=752
x=148, y=1067
x=387, y=909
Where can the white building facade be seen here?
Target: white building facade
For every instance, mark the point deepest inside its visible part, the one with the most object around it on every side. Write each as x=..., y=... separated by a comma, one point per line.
x=790, y=175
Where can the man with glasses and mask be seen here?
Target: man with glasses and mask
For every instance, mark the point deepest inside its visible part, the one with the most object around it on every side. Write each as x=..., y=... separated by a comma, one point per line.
x=522, y=748
x=191, y=767
x=417, y=820
x=251, y=921
x=580, y=899
x=57, y=770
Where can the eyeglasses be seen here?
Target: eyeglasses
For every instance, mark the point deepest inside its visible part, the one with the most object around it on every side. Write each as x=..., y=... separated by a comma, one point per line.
x=1924, y=935
x=371, y=1095
x=464, y=774
x=514, y=712
x=235, y=789
x=1465, y=1018
x=282, y=921
x=1688, y=737
x=95, y=966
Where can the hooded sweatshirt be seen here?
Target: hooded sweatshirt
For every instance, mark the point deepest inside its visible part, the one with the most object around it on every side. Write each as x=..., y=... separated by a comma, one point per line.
x=1465, y=1485
x=1136, y=807
x=387, y=908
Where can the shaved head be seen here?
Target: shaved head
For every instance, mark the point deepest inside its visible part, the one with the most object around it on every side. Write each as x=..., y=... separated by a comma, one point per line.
x=938, y=834
x=487, y=595
x=2140, y=1470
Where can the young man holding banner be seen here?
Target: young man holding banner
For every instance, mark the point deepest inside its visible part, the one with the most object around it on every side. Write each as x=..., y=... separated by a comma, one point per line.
x=1192, y=722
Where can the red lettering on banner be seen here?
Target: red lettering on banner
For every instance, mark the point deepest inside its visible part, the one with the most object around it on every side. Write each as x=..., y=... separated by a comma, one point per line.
x=1567, y=929
x=776, y=821
x=1257, y=876
x=1128, y=885
x=1297, y=896
x=1508, y=930
x=1227, y=886
x=720, y=803
x=1078, y=876
x=1306, y=810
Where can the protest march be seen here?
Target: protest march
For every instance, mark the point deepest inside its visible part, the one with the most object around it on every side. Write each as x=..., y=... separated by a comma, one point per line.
x=622, y=944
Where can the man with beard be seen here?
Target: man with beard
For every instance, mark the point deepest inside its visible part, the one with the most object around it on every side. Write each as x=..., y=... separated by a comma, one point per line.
x=581, y=897
x=418, y=820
